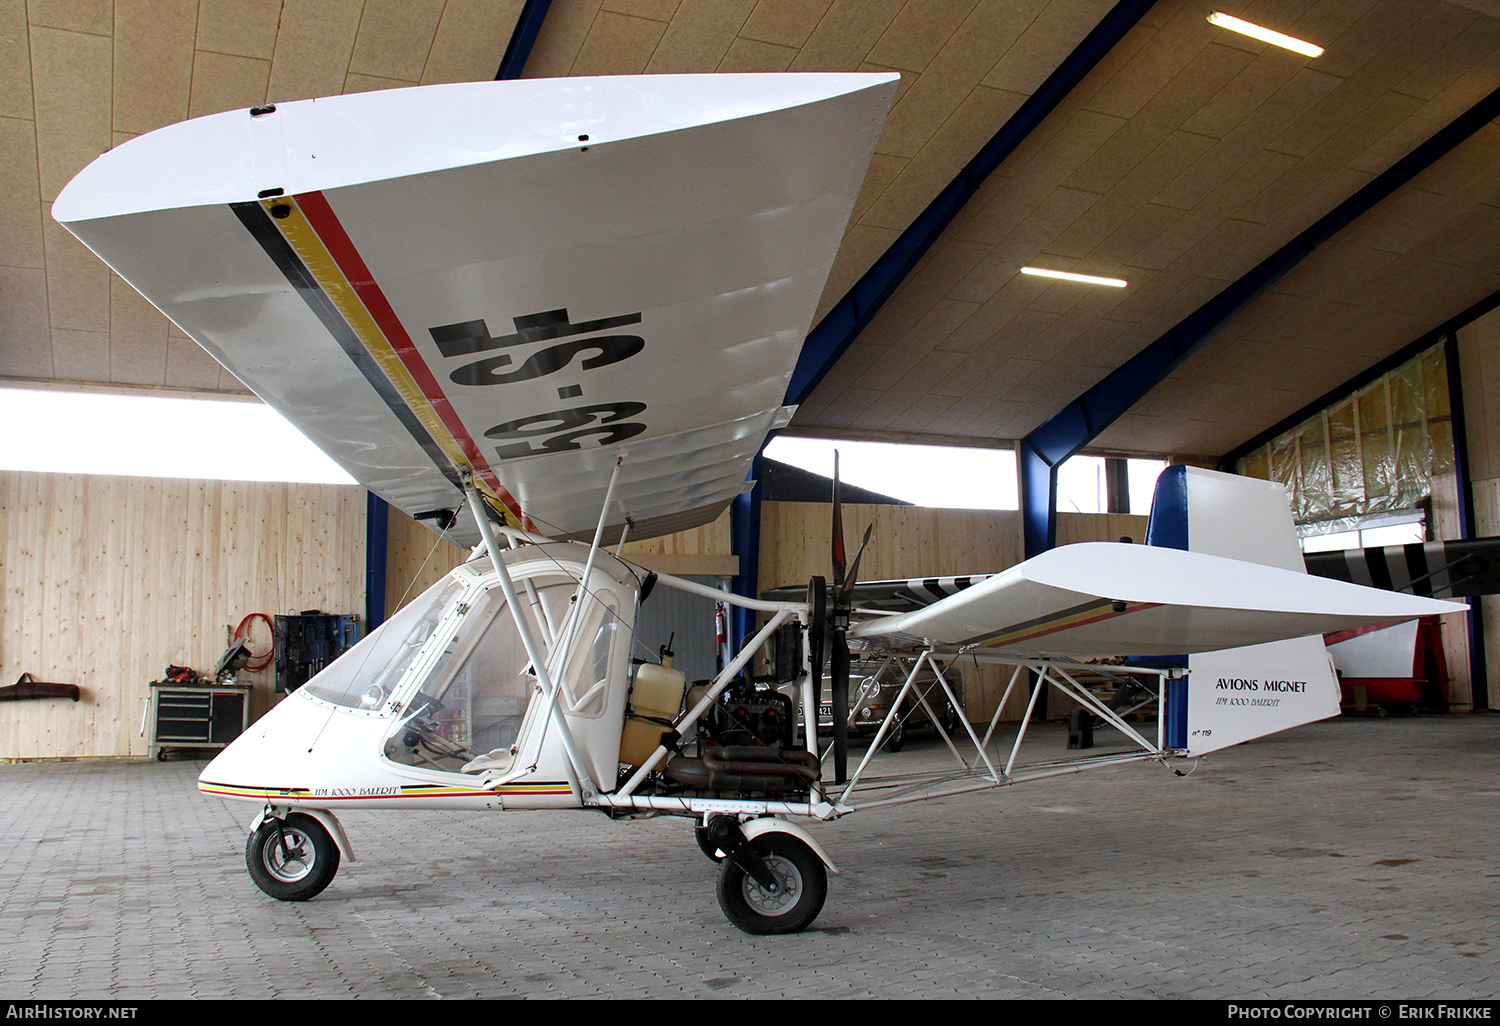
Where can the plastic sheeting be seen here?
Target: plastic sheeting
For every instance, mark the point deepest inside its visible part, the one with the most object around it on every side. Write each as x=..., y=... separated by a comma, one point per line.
x=1376, y=451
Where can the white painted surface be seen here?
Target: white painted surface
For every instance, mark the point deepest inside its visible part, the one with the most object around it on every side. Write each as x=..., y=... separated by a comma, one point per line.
x=708, y=207
x=1387, y=653
x=1188, y=602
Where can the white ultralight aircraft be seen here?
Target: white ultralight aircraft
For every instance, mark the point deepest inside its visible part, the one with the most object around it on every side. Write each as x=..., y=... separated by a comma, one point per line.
x=542, y=311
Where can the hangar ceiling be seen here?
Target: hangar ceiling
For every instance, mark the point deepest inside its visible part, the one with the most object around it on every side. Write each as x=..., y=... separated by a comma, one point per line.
x=1185, y=157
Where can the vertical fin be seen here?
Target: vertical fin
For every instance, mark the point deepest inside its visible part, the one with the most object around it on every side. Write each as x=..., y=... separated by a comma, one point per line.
x=1239, y=693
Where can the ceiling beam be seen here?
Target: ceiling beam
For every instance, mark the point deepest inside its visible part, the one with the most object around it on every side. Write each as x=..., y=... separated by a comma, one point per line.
x=522, y=39
x=1082, y=420
x=839, y=328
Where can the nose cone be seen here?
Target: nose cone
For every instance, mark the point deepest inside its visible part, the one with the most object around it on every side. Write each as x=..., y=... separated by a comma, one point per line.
x=272, y=756
x=306, y=752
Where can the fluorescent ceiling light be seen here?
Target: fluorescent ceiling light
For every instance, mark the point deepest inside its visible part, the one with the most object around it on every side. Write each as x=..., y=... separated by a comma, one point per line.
x=1265, y=35
x=1088, y=279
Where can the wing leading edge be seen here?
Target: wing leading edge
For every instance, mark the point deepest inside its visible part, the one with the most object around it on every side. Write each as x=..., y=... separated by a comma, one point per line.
x=525, y=279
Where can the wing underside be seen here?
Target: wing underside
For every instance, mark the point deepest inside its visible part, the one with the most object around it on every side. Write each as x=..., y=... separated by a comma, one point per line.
x=527, y=280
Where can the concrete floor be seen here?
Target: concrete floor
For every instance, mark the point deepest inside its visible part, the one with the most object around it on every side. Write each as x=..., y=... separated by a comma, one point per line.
x=1351, y=859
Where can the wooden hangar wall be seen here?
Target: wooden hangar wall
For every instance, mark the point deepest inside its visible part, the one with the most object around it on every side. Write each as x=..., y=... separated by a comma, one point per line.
x=1479, y=358
x=108, y=580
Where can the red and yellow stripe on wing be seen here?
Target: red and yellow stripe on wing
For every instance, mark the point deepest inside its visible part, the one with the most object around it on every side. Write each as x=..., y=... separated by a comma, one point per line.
x=1068, y=619
x=315, y=234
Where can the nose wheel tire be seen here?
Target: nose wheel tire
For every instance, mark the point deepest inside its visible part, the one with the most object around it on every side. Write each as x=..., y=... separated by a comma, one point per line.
x=802, y=886
x=292, y=859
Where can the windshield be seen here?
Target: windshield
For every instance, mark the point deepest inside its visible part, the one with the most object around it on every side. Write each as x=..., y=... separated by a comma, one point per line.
x=468, y=714
x=471, y=703
x=364, y=677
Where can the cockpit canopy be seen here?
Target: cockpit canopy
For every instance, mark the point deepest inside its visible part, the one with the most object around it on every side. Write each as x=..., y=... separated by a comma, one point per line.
x=450, y=668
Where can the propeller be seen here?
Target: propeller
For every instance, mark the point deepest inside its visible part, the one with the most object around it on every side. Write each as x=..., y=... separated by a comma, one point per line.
x=845, y=576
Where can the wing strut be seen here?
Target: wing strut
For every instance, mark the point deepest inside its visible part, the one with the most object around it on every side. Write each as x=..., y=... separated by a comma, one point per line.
x=578, y=774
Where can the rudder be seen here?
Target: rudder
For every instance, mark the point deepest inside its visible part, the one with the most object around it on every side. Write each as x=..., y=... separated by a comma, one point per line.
x=1237, y=694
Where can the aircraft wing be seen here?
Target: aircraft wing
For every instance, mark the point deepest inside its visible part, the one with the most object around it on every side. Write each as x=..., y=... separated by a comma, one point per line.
x=1101, y=599
x=527, y=278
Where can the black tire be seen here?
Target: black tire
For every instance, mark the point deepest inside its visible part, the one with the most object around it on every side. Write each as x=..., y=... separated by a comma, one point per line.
x=950, y=721
x=896, y=736
x=804, y=886
x=706, y=845
x=294, y=862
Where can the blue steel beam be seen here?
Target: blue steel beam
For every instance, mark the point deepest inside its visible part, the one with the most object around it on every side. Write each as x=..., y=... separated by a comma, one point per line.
x=1082, y=420
x=744, y=532
x=377, y=517
x=522, y=39
x=838, y=329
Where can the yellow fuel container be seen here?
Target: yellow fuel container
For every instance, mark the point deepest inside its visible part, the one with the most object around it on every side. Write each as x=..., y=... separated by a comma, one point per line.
x=655, y=701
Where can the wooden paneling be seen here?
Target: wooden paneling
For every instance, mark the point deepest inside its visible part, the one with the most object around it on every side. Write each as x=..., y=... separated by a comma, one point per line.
x=1479, y=366
x=705, y=551
x=107, y=580
x=1487, y=524
x=908, y=541
x=1455, y=629
x=415, y=559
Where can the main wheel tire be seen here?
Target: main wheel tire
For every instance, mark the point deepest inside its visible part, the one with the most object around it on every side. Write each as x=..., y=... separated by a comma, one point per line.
x=803, y=886
x=950, y=721
x=294, y=862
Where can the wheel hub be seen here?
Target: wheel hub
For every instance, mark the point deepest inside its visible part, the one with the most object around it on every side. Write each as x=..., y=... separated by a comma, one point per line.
x=289, y=857
x=788, y=887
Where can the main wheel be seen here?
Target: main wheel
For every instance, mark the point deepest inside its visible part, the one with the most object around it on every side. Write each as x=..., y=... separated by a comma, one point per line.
x=950, y=721
x=292, y=859
x=802, y=885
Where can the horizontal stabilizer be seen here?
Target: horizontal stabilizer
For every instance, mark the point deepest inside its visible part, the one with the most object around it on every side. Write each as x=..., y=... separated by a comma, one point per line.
x=1105, y=599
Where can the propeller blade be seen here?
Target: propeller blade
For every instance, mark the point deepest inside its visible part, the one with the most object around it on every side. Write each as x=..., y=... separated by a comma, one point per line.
x=838, y=528
x=847, y=589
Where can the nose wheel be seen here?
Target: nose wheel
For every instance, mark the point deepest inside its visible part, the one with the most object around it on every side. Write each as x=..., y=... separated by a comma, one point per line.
x=292, y=859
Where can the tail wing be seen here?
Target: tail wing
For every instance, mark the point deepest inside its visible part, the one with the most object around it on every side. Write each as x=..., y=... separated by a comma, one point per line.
x=1236, y=694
